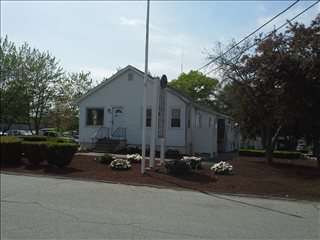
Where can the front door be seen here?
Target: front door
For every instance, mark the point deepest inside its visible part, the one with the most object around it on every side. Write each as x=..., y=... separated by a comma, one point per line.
x=117, y=118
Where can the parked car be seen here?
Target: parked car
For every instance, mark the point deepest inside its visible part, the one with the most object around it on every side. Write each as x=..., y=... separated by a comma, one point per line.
x=18, y=132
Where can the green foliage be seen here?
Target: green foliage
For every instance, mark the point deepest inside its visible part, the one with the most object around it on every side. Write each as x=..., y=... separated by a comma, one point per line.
x=106, y=159
x=276, y=154
x=177, y=167
x=173, y=154
x=60, y=154
x=48, y=93
x=10, y=150
x=35, y=152
x=34, y=138
x=276, y=86
x=196, y=85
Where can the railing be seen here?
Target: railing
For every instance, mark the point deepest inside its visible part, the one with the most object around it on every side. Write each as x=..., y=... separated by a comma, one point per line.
x=120, y=133
x=101, y=133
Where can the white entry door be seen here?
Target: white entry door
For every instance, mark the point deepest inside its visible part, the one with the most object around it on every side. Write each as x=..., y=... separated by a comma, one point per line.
x=117, y=118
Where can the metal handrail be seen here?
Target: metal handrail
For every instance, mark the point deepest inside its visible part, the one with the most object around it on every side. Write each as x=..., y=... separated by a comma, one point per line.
x=102, y=132
x=120, y=133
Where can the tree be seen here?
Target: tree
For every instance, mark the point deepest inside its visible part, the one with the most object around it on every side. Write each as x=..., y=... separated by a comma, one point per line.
x=14, y=106
x=196, y=85
x=276, y=86
x=65, y=114
x=43, y=75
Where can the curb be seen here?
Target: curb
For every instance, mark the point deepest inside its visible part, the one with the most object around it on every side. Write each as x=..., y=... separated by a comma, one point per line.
x=243, y=195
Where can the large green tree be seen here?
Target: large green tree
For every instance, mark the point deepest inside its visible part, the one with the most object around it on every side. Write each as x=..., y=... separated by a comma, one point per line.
x=14, y=104
x=275, y=86
x=199, y=87
x=64, y=114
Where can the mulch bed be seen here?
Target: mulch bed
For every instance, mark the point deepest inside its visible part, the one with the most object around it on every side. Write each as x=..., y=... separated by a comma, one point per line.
x=251, y=176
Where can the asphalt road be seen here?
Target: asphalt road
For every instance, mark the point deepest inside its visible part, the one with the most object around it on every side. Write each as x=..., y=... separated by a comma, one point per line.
x=47, y=208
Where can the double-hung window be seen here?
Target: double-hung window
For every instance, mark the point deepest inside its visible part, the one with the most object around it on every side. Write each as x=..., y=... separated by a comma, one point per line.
x=175, y=117
x=95, y=116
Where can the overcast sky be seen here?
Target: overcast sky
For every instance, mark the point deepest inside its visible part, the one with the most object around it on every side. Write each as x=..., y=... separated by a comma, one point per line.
x=102, y=36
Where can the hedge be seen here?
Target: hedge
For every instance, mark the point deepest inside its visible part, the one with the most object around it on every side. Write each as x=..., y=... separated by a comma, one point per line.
x=10, y=149
x=34, y=138
x=60, y=154
x=276, y=154
x=35, y=152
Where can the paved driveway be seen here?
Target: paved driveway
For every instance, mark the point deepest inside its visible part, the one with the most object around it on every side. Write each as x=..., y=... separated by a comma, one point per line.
x=39, y=208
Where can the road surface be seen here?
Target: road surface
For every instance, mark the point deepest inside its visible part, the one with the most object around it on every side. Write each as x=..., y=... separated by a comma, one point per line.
x=43, y=208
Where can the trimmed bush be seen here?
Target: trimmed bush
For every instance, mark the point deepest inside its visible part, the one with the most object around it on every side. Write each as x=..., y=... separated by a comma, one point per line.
x=276, y=154
x=34, y=139
x=134, y=158
x=177, y=167
x=173, y=154
x=60, y=154
x=222, y=168
x=35, y=152
x=251, y=153
x=120, y=164
x=105, y=159
x=10, y=150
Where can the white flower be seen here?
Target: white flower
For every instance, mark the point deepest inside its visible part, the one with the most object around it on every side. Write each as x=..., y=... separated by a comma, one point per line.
x=222, y=167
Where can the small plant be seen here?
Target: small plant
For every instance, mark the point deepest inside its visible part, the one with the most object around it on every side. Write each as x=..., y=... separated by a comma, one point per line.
x=194, y=162
x=120, y=164
x=134, y=158
x=177, y=167
x=105, y=159
x=222, y=168
x=173, y=154
x=60, y=154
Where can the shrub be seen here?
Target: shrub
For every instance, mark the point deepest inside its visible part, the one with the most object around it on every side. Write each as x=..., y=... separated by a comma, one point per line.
x=172, y=153
x=177, y=167
x=286, y=154
x=134, y=158
x=105, y=159
x=251, y=153
x=276, y=154
x=120, y=164
x=35, y=152
x=34, y=138
x=222, y=168
x=194, y=162
x=10, y=150
x=60, y=154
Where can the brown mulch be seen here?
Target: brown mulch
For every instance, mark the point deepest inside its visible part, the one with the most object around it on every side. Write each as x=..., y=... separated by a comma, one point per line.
x=251, y=176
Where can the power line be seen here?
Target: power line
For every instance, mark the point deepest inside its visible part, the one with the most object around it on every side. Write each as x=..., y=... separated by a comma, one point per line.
x=268, y=35
x=245, y=38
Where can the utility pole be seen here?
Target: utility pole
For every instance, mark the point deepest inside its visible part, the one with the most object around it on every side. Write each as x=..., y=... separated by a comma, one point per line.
x=144, y=104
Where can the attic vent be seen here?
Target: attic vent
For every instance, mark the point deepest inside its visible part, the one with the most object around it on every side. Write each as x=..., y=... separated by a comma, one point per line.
x=130, y=76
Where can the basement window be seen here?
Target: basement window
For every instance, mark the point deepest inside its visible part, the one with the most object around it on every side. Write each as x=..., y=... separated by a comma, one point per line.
x=95, y=116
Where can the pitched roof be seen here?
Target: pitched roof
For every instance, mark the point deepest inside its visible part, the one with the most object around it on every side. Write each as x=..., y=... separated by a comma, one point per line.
x=107, y=81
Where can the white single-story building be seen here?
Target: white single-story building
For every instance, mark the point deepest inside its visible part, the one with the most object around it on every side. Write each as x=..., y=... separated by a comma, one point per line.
x=113, y=110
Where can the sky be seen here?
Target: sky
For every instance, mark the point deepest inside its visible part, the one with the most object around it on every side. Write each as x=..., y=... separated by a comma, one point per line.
x=104, y=36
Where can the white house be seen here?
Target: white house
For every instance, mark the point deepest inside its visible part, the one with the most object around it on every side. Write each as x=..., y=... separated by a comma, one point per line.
x=113, y=110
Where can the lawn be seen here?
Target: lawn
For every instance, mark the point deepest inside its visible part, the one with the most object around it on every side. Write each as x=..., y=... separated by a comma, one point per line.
x=251, y=176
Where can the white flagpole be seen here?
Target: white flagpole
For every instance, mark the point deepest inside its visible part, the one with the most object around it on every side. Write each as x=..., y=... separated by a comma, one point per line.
x=144, y=107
